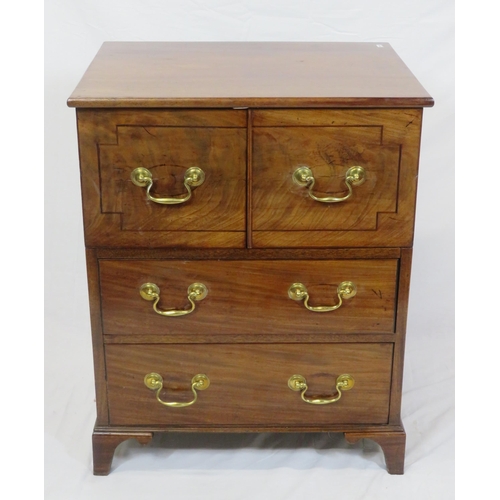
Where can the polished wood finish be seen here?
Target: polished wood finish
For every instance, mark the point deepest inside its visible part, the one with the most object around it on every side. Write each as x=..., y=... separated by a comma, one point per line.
x=104, y=444
x=392, y=444
x=399, y=347
x=167, y=143
x=249, y=179
x=249, y=296
x=249, y=384
x=252, y=74
x=247, y=338
x=379, y=213
x=97, y=337
x=249, y=114
x=248, y=254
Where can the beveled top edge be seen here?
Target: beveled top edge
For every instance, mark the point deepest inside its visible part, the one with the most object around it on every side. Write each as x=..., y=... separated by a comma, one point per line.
x=253, y=103
x=248, y=74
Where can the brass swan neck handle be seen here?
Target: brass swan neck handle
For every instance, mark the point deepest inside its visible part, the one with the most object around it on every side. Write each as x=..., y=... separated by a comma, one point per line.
x=193, y=177
x=154, y=381
x=354, y=176
x=298, y=383
x=195, y=292
x=345, y=290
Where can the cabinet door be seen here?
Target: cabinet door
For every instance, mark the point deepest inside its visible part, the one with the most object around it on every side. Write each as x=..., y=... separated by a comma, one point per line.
x=335, y=178
x=163, y=178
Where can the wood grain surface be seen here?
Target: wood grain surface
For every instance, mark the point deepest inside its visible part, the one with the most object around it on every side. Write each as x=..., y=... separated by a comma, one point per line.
x=278, y=213
x=262, y=74
x=167, y=143
x=248, y=384
x=392, y=442
x=379, y=213
x=248, y=297
x=281, y=204
x=104, y=444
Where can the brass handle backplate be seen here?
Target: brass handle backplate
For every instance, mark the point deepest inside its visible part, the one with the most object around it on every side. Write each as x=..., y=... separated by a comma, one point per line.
x=154, y=381
x=195, y=292
x=345, y=290
x=354, y=176
x=193, y=177
x=298, y=383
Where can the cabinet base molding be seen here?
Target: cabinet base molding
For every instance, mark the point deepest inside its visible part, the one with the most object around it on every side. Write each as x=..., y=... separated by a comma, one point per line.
x=104, y=444
x=392, y=443
x=391, y=439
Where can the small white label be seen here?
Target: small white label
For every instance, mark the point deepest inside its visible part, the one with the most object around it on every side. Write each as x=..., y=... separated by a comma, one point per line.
x=379, y=45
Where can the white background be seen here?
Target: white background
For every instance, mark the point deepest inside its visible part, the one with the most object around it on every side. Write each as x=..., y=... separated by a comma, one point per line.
x=266, y=466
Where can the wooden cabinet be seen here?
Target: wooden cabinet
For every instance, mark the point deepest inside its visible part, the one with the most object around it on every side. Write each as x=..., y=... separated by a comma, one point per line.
x=248, y=212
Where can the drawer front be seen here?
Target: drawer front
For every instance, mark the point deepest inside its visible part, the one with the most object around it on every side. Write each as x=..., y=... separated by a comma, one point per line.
x=118, y=148
x=250, y=297
x=372, y=205
x=248, y=384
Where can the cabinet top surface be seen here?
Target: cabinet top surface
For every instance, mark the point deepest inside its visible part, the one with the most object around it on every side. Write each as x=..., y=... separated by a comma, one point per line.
x=248, y=74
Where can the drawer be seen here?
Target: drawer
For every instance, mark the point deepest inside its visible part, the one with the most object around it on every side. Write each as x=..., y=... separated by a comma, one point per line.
x=334, y=177
x=164, y=178
x=248, y=384
x=248, y=297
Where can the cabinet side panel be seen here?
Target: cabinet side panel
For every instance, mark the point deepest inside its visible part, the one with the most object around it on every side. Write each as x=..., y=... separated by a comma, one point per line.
x=97, y=339
x=399, y=346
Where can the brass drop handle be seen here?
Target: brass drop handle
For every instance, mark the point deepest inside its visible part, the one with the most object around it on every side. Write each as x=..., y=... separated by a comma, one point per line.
x=196, y=291
x=154, y=381
x=304, y=177
x=298, y=383
x=345, y=290
x=193, y=177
